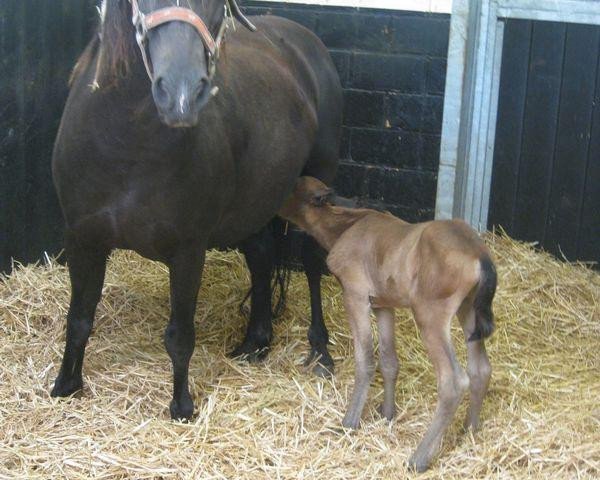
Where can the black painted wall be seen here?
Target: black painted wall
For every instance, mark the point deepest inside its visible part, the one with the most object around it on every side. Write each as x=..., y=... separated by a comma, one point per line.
x=39, y=43
x=392, y=65
x=546, y=178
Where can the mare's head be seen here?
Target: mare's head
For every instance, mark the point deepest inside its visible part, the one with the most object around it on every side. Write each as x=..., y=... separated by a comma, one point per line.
x=179, y=40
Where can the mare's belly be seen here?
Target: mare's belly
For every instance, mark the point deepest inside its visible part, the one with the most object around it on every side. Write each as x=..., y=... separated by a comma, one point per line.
x=256, y=203
x=148, y=235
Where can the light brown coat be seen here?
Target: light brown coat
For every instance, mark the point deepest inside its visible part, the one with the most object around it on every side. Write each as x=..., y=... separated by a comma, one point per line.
x=437, y=269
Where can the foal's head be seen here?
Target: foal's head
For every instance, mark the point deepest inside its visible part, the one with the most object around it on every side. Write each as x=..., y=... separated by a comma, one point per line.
x=308, y=196
x=180, y=41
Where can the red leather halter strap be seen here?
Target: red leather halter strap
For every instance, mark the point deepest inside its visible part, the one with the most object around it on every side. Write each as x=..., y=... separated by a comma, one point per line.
x=145, y=22
x=180, y=14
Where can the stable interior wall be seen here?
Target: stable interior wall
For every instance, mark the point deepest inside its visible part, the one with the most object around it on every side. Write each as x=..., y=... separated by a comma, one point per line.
x=392, y=65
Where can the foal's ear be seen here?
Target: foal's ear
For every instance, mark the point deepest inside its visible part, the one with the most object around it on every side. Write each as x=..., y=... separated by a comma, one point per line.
x=321, y=197
x=237, y=13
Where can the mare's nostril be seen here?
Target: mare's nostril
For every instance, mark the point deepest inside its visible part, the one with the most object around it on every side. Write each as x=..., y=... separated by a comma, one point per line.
x=161, y=94
x=202, y=88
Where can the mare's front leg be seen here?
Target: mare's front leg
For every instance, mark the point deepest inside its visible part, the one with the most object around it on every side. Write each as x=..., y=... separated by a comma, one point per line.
x=185, y=273
x=86, y=270
x=258, y=251
x=313, y=260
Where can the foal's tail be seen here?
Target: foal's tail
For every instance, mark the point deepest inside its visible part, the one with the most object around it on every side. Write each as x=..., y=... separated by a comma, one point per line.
x=484, y=316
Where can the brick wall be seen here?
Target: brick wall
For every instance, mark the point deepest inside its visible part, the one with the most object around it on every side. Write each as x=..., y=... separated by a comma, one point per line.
x=392, y=65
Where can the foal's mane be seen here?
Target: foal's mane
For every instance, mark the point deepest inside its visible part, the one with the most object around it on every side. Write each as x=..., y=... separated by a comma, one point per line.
x=113, y=45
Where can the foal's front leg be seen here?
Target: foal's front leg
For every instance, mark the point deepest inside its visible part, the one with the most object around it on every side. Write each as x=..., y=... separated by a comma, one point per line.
x=388, y=360
x=358, y=310
x=86, y=270
x=185, y=273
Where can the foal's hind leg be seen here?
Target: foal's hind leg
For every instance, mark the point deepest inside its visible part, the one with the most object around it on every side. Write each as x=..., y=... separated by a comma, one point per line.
x=86, y=270
x=258, y=251
x=313, y=260
x=452, y=381
x=388, y=360
x=185, y=272
x=478, y=366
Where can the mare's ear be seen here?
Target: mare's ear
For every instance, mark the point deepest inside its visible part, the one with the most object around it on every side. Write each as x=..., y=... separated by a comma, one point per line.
x=237, y=13
x=321, y=197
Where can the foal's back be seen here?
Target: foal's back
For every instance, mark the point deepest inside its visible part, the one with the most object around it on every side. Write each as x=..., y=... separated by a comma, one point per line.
x=394, y=259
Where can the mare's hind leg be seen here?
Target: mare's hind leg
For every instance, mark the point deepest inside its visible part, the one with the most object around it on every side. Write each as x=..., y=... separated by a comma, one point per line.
x=185, y=273
x=452, y=381
x=86, y=270
x=313, y=260
x=258, y=251
x=478, y=366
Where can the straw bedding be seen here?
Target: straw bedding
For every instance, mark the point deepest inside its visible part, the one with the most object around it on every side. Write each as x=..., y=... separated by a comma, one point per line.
x=541, y=418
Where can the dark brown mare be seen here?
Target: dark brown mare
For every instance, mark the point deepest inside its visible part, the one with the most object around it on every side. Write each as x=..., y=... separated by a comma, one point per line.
x=201, y=157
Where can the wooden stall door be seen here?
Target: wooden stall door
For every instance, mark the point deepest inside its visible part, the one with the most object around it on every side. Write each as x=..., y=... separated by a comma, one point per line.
x=546, y=174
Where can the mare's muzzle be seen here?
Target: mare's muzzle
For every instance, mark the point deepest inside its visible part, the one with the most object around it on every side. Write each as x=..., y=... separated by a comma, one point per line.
x=179, y=104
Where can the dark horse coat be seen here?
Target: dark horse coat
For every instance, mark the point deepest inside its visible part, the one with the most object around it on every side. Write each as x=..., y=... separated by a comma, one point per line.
x=126, y=180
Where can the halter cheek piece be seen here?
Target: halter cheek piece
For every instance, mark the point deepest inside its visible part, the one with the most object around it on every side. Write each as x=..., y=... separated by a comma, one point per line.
x=145, y=22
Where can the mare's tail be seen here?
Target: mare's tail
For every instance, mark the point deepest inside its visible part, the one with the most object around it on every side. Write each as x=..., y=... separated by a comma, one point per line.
x=282, y=256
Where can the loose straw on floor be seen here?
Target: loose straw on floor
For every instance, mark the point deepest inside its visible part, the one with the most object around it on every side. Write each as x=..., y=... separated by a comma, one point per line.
x=541, y=418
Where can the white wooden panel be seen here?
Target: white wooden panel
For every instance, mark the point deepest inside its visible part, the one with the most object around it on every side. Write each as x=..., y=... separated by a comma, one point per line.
x=435, y=6
x=471, y=103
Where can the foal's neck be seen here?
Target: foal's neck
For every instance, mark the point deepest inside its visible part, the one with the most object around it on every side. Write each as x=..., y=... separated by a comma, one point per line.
x=327, y=224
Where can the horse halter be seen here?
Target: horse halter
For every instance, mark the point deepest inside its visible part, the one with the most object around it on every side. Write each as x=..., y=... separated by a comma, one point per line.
x=143, y=23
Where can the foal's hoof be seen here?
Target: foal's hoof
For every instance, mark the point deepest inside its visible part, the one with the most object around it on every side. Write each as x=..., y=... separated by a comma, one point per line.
x=350, y=422
x=66, y=387
x=418, y=463
x=251, y=352
x=182, y=409
x=471, y=423
x=324, y=366
x=387, y=412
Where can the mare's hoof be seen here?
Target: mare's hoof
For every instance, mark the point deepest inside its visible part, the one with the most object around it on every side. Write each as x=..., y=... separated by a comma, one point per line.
x=418, y=463
x=182, y=409
x=66, y=387
x=251, y=352
x=323, y=371
x=324, y=366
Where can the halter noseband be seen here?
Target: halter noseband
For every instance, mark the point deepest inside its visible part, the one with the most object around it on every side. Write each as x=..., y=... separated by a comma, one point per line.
x=145, y=22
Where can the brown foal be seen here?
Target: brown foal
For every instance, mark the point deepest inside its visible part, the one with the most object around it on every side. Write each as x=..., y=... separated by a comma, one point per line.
x=437, y=269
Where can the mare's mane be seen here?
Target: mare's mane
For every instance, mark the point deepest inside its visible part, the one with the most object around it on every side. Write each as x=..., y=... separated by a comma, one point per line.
x=113, y=45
